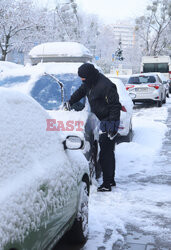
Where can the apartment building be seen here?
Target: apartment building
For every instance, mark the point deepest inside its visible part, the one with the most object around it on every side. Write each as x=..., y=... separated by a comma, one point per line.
x=125, y=33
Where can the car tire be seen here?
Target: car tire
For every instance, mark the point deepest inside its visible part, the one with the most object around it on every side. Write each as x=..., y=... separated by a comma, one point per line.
x=127, y=138
x=79, y=231
x=159, y=104
x=164, y=100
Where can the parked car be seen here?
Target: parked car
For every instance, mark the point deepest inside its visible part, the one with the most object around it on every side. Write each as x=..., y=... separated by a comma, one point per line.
x=51, y=84
x=125, y=128
x=44, y=184
x=147, y=87
x=123, y=78
x=165, y=82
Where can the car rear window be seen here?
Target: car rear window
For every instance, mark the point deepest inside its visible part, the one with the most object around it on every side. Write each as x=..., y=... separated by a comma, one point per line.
x=141, y=79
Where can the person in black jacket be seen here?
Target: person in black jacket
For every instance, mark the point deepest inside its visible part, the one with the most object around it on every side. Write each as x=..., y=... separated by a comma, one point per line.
x=104, y=102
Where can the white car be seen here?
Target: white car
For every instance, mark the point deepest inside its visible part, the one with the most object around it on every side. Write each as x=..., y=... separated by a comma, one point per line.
x=125, y=128
x=147, y=87
x=165, y=82
x=44, y=185
x=51, y=84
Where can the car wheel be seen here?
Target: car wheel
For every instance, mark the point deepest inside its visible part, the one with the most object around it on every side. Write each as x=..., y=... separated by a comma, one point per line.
x=127, y=138
x=79, y=232
x=164, y=100
x=159, y=104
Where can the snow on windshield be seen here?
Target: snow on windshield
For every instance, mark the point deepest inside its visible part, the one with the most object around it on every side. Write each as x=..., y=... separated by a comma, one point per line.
x=6, y=66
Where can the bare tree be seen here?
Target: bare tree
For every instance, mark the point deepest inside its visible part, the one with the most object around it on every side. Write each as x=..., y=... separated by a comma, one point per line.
x=152, y=26
x=15, y=21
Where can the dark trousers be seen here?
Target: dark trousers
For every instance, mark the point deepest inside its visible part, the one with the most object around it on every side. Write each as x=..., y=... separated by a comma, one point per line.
x=107, y=158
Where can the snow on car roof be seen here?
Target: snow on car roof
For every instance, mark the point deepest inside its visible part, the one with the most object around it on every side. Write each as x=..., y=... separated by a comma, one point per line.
x=41, y=68
x=5, y=66
x=60, y=49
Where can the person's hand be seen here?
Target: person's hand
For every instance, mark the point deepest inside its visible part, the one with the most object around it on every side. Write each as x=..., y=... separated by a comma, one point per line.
x=112, y=134
x=67, y=106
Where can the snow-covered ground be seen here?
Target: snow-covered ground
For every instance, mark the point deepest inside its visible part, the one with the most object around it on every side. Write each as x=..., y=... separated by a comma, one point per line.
x=138, y=201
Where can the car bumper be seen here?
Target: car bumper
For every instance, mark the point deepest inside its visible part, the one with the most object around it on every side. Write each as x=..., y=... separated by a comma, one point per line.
x=154, y=96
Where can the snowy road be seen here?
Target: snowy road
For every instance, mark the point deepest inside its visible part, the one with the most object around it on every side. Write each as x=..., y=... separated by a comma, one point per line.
x=137, y=213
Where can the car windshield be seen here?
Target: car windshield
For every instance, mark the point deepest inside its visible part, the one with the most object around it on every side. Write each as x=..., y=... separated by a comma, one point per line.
x=47, y=90
x=141, y=79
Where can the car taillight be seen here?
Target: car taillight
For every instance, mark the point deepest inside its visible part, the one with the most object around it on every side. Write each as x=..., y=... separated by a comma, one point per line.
x=170, y=75
x=129, y=87
x=123, y=109
x=154, y=86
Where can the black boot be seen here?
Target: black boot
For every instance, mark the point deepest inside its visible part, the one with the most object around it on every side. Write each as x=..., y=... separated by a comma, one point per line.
x=113, y=183
x=104, y=188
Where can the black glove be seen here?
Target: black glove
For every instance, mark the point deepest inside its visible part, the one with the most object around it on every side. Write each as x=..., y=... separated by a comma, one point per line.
x=67, y=106
x=112, y=134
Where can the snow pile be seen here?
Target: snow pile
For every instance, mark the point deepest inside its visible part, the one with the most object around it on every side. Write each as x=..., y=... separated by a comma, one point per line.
x=36, y=173
x=60, y=49
x=135, y=199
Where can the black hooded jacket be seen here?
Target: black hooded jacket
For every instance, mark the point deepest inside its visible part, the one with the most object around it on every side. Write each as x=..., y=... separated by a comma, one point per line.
x=101, y=92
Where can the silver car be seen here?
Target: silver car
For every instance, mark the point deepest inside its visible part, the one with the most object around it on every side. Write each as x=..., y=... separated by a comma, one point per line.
x=147, y=87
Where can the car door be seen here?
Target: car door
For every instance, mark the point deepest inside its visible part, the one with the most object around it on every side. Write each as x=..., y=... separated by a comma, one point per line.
x=57, y=223
x=163, y=90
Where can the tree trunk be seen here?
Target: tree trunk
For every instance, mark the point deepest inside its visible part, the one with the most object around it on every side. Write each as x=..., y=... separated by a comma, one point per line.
x=5, y=49
x=4, y=55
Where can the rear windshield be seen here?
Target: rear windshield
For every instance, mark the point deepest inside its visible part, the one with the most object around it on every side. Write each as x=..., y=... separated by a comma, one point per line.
x=156, y=67
x=142, y=79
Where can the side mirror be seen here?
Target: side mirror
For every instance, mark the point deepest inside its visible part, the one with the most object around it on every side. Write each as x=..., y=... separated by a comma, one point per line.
x=132, y=95
x=73, y=143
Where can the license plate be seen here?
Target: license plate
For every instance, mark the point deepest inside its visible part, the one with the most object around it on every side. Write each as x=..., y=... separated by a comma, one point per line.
x=144, y=90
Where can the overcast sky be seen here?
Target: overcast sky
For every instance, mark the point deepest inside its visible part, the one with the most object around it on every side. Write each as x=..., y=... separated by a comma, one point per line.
x=111, y=10
x=108, y=10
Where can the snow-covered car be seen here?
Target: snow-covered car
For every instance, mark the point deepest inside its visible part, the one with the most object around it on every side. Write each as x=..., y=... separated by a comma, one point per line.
x=51, y=84
x=147, y=87
x=125, y=128
x=6, y=66
x=44, y=185
x=123, y=78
